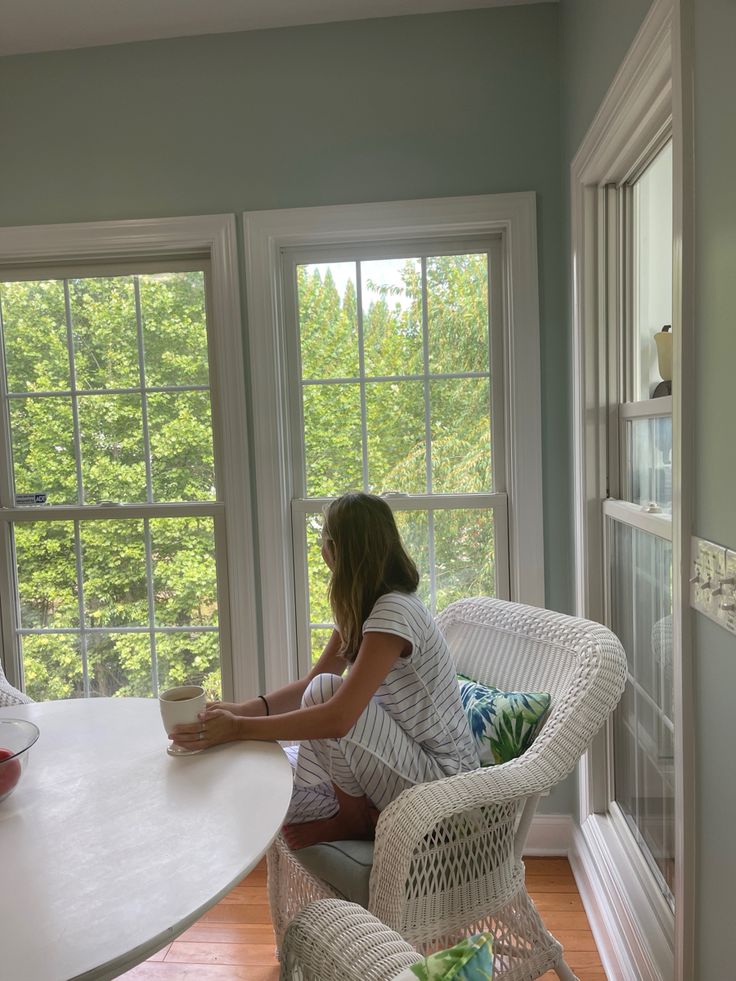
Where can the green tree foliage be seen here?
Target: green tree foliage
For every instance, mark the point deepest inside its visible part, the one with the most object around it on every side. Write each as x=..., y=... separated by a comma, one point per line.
x=457, y=544
x=96, y=572
x=110, y=320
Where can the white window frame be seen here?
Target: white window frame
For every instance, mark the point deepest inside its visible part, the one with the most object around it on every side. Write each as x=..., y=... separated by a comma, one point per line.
x=213, y=238
x=512, y=217
x=637, y=933
x=495, y=501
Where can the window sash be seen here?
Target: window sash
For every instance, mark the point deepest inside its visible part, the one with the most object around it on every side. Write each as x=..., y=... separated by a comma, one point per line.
x=426, y=248
x=616, y=215
x=141, y=246
x=658, y=525
x=272, y=235
x=75, y=393
x=301, y=507
x=493, y=499
x=9, y=585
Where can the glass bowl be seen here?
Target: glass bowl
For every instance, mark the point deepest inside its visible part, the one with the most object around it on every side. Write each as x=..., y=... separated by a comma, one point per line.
x=16, y=738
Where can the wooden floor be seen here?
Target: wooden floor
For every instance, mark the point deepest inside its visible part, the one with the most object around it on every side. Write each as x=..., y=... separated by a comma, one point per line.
x=234, y=941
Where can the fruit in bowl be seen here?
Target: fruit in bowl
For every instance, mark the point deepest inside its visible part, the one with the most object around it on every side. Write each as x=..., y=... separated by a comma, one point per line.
x=16, y=738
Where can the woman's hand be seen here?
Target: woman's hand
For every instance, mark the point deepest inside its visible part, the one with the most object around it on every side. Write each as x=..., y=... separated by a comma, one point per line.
x=216, y=725
x=236, y=708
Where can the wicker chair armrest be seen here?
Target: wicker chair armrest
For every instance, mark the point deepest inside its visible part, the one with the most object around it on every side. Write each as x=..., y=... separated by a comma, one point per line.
x=333, y=940
x=418, y=809
x=406, y=822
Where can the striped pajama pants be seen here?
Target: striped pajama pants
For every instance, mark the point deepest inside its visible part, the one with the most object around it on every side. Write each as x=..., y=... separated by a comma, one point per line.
x=376, y=759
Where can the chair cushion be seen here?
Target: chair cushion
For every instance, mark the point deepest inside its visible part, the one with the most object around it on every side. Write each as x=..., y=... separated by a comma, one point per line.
x=504, y=724
x=344, y=865
x=469, y=960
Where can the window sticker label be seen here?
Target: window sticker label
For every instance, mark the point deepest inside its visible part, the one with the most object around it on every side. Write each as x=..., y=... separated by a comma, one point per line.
x=28, y=500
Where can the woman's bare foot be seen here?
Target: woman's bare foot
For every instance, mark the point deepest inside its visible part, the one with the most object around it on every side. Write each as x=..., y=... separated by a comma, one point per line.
x=356, y=819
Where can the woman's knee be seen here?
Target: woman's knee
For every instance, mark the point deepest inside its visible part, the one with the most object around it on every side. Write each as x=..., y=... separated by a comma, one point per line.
x=320, y=689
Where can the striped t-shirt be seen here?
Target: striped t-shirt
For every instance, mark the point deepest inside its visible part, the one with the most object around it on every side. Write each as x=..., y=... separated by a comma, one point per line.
x=421, y=691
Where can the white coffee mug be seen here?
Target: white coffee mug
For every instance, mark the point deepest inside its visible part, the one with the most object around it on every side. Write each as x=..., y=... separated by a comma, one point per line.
x=181, y=706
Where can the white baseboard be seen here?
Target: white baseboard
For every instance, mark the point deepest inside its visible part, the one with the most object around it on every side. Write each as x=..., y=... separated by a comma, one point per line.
x=603, y=923
x=550, y=834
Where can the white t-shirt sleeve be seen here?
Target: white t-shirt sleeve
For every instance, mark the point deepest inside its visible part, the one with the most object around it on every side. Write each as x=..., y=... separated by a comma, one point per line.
x=393, y=614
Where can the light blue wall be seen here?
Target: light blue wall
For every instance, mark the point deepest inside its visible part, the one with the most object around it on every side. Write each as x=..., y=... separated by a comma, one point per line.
x=594, y=37
x=465, y=103
x=715, y=471
x=374, y=110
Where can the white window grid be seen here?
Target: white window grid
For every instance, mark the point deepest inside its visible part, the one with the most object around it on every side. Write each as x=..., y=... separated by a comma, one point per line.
x=106, y=510
x=428, y=503
x=656, y=526
x=495, y=500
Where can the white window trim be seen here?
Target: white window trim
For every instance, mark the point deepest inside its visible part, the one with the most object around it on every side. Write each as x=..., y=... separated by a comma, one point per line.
x=513, y=216
x=637, y=110
x=212, y=236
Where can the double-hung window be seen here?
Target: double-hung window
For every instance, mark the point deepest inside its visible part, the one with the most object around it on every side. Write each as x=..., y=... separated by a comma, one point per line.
x=638, y=517
x=398, y=354
x=115, y=489
x=633, y=502
x=395, y=350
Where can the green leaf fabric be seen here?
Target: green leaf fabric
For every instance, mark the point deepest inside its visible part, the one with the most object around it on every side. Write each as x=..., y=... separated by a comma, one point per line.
x=504, y=724
x=469, y=960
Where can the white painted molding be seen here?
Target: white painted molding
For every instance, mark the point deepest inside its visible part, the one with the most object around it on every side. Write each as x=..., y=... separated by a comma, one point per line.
x=683, y=414
x=636, y=115
x=602, y=884
x=636, y=109
x=631, y=932
x=266, y=233
x=550, y=834
x=633, y=116
x=213, y=236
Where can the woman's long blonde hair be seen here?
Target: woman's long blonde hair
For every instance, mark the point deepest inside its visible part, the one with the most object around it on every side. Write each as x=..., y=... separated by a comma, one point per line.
x=369, y=561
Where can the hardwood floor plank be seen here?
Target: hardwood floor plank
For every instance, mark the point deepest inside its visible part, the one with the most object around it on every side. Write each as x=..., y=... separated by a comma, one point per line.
x=562, y=921
x=160, y=954
x=238, y=913
x=234, y=941
x=550, y=883
x=229, y=933
x=181, y=952
x=163, y=971
x=575, y=939
x=247, y=894
x=547, y=866
x=583, y=960
x=558, y=901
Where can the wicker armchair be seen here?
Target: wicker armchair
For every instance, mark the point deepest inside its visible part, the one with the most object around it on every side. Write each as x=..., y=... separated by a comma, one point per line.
x=10, y=695
x=447, y=855
x=333, y=940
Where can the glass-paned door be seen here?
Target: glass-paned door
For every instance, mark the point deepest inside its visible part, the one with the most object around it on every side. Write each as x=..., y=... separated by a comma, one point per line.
x=110, y=515
x=398, y=390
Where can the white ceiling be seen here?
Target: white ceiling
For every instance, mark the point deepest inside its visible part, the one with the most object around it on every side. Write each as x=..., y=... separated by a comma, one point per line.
x=51, y=25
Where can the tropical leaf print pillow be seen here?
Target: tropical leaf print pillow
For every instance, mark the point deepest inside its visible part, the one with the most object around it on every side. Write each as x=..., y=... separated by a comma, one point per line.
x=470, y=960
x=504, y=724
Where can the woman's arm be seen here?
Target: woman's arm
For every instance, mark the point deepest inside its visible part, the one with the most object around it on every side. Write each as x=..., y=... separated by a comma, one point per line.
x=333, y=719
x=289, y=697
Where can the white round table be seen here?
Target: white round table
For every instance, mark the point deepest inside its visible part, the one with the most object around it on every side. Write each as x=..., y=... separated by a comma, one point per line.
x=109, y=847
